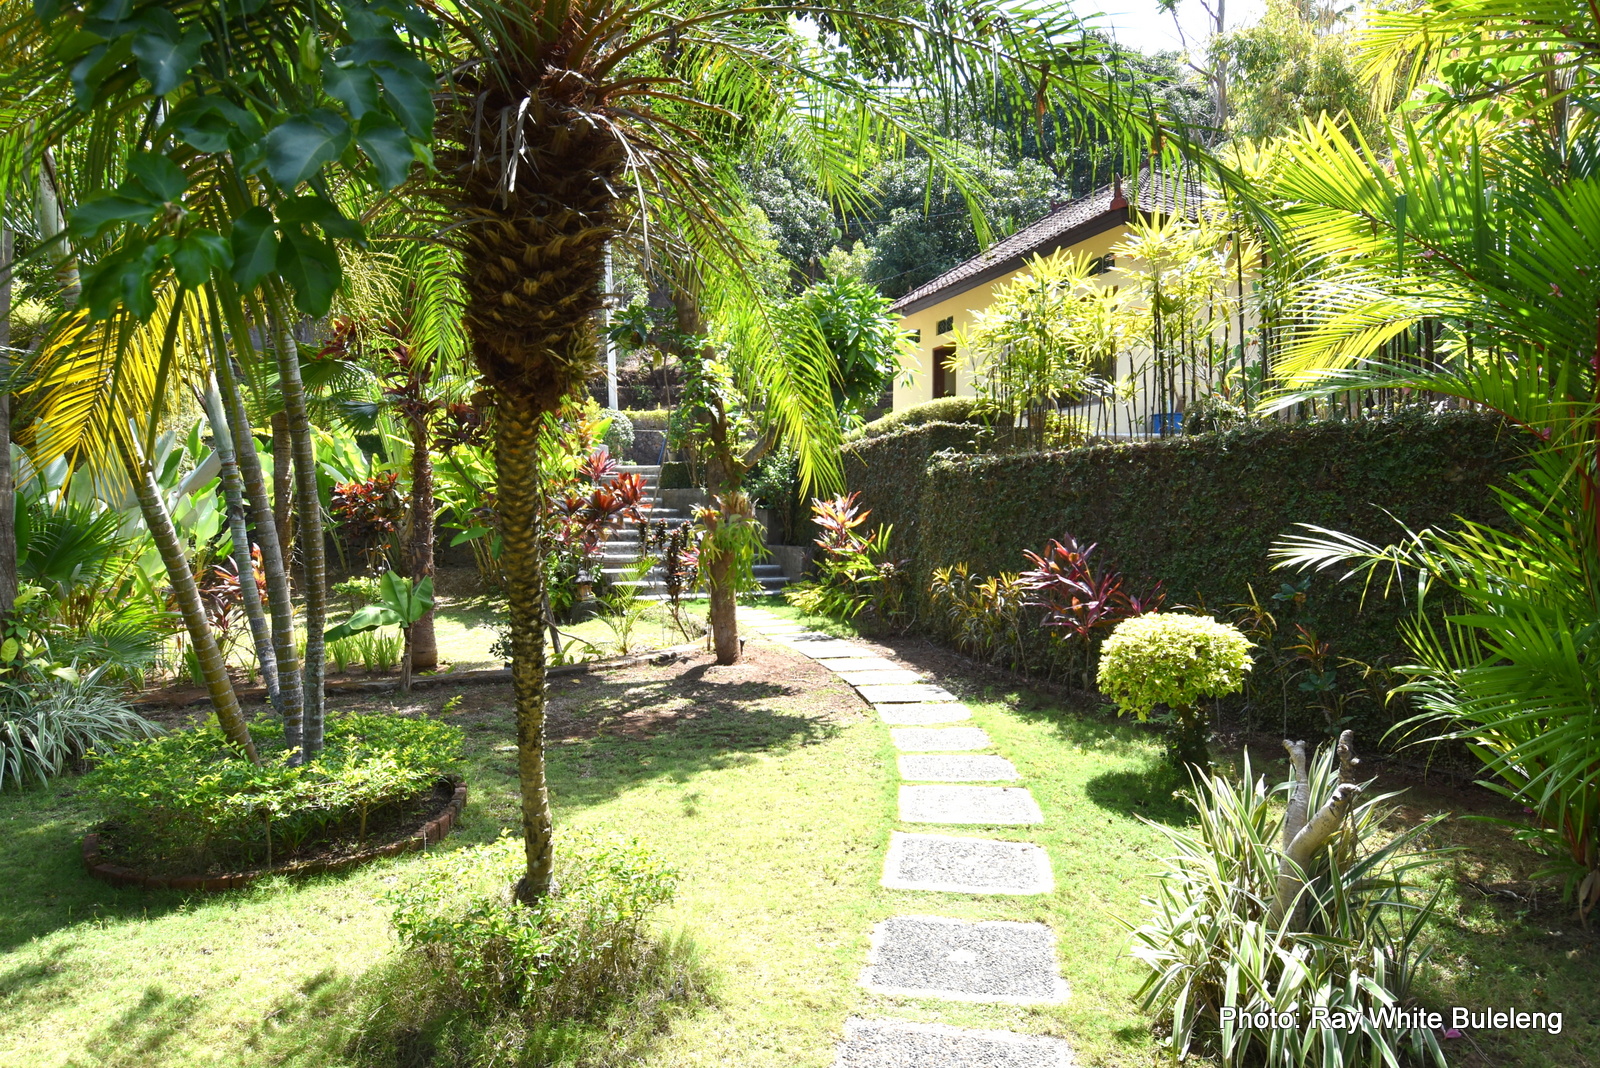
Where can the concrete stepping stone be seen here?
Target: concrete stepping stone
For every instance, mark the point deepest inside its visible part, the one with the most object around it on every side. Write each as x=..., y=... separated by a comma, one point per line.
x=947, y=739
x=992, y=961
x=923, y=715
x=864, y=663
x=948, y=864
x=909, y=694
x=773, y=630
x=939, y=768
x=877, y=679
x=820, y=646
x=899, y=1044
x=982, y=805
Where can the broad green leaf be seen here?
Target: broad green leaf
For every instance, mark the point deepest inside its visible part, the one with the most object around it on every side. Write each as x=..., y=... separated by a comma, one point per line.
x=298, y=148
x=354, y=86
x=8, y=649
x=371, y=617
x=255, y=247
x=470, y=534
x=388, y=147
x=410, y=97
x=311, y=266
x=165, y=60
x=103, y=211
x=212, y=124
x=163, y=178
x=197, y=255
x=324, y=213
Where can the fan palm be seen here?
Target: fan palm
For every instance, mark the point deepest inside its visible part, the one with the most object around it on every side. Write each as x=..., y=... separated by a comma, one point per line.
x=555, y=113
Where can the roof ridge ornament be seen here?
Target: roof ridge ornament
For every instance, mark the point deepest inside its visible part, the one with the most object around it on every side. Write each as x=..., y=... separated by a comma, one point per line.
x=1118, y=201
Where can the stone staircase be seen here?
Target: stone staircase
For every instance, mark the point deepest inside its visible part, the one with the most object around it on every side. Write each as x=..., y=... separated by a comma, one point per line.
x=622, y=546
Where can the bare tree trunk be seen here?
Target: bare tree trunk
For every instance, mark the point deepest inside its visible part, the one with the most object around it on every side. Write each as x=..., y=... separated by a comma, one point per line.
x=1304, y=836
x=519, y=499
x=159, y=522
x=308, y=521
x=249, y=596
x=8, y=500
x=419, y=549
x=724, y=610
x=280, y=604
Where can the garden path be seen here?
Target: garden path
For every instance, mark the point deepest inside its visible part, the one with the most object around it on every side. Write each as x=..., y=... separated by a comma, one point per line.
x=929, y=956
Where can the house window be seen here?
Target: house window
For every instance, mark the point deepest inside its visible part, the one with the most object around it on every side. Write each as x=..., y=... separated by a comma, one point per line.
x=944, y=378
x=916, y=337
x=947, y=324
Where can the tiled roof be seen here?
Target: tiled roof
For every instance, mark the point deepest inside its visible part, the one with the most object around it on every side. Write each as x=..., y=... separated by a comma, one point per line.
x=1072, y=222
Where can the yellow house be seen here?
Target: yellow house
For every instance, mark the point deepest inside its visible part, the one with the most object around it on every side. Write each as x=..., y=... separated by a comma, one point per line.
x=1089, y=226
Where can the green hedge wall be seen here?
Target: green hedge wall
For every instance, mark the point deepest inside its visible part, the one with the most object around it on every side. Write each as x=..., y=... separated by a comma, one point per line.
x=1198, y=513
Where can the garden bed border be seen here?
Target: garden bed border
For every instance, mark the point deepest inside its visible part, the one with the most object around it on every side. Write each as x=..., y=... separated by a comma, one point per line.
x=428, y=834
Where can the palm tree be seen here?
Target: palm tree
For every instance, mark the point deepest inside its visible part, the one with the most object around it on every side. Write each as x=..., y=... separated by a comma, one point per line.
x=1487, y=222
x=555, y=115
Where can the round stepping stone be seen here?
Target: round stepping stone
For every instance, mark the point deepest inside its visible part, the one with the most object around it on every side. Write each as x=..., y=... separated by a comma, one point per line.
x=947, y=864
x=876, y=679
x=949, y=739
x=906, y=694
x=983, y=805
x=897, y=1044
x=921, y=715
x=992, y=961
x=938, y=768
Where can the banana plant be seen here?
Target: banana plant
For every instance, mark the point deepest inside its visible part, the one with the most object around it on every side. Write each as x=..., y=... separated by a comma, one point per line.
x=400, y=602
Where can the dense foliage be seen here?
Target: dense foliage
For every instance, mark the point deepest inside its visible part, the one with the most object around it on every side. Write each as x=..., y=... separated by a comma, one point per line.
x=490, y=982
x=1199, y=514
x=184, y=801
x=1354, y=944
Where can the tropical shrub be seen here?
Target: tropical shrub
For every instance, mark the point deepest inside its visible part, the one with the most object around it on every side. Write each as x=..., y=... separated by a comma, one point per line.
x=858, y=578
x=942, y=410
x=1080, y=600
x=983, y=616
x=184, y=800
x=483, y=974
x=1218, y=942
x=619, y=431
x=49, y=721
x=1176, y=660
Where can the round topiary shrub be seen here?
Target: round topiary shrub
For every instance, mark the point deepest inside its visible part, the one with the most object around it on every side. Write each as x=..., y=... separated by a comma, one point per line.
x=1176, y=660
x=619, y=435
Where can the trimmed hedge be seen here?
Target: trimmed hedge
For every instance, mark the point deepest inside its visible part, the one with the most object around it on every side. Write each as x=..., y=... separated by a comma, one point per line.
x=943, y=410
x=1200, y=512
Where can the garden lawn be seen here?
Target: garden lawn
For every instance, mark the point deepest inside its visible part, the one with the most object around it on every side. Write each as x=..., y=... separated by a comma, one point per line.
x=772, y=789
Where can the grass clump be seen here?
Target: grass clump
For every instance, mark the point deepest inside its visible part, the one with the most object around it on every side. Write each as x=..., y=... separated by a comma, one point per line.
x=187, y=801
x=47, y=725
x=579, y=978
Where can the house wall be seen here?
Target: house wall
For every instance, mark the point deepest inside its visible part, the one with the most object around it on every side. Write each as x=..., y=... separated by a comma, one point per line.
x=915, y=384
x=1134, y=414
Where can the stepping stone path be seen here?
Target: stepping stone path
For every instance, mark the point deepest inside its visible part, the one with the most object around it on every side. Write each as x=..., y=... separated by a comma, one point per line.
x=922, y=715
x=933, y=956
x=921, y=739
x=883, y=1043
x=934, y=768
x=952, y=865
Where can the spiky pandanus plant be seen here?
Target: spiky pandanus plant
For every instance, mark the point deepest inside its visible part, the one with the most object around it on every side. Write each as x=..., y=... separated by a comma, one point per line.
x=554, y=113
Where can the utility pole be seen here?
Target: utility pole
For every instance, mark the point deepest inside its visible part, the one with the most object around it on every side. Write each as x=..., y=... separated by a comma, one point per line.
x=611, y=346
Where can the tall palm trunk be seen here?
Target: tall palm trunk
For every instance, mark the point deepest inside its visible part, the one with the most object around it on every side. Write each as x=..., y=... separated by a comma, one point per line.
x=308, y=523
x=184, y=588
x=8, y=500
x=238, y=531
x=282, y=484
x=519, y=501
x=421, y=640
x=280, y=604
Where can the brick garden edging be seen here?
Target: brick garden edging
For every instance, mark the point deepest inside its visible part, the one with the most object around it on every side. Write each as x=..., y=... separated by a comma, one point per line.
x=428, y=834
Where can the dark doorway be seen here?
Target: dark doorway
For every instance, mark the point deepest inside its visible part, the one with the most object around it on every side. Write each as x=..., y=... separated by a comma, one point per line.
x=944, y=381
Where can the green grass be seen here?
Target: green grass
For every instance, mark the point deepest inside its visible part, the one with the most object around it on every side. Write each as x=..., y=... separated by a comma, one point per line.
x=778, y=815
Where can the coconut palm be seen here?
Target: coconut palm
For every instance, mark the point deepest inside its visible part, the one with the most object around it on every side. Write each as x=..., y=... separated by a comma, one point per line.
x=556, y=114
